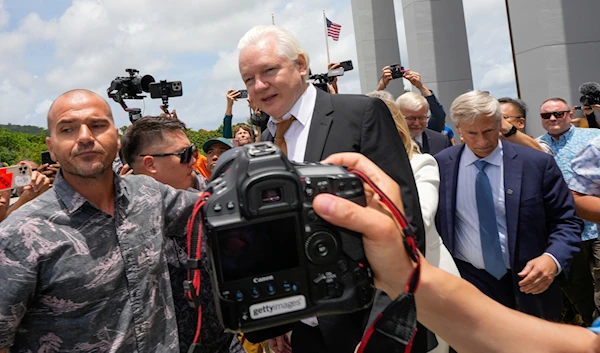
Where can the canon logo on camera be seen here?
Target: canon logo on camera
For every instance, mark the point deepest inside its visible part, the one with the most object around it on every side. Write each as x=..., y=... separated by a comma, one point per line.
x=263, y=279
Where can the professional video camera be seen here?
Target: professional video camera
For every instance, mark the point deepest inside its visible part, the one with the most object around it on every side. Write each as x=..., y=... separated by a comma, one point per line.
x=131, y=87
x=274, y=260
x=590, y=93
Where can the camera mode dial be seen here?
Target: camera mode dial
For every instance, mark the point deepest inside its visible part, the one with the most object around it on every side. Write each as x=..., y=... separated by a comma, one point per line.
x=321, y=248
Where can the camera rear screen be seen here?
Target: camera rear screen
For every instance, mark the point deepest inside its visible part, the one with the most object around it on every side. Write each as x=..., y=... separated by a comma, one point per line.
x=258, y=249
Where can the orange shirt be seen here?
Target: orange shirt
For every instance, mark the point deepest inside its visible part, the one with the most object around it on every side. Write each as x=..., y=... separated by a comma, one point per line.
x=200, y=166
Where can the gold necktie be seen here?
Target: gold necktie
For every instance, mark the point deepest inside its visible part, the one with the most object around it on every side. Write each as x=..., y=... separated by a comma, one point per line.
x=282, y=128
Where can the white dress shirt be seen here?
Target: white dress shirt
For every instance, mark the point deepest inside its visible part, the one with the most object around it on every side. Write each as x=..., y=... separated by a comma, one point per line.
x=296, y=137
x=467, y=235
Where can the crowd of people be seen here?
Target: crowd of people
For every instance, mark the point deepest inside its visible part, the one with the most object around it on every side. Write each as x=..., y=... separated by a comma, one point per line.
x=93, y=252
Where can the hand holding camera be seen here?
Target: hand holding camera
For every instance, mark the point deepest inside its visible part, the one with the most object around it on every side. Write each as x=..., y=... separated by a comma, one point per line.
x=275, y=260
x=389, y=73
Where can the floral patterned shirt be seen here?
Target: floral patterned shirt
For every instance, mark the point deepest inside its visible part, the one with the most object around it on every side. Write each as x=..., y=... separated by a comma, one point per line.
x=75, y=279
x=586, y=170
x=565, y=149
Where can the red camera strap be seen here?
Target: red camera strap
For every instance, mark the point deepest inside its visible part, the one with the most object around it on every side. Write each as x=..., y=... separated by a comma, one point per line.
x=194, y=248
x=395, y=328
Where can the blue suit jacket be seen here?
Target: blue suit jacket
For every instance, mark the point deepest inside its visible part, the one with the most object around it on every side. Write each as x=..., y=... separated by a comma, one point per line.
x=540, y=217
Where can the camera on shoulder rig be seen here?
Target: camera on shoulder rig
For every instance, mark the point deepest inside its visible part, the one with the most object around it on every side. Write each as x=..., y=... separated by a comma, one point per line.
x=274, y=260
x=132, y=86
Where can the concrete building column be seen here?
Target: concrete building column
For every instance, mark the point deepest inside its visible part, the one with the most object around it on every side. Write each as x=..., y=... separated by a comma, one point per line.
x=376, y=42
x=436, y=39
x=557, y=48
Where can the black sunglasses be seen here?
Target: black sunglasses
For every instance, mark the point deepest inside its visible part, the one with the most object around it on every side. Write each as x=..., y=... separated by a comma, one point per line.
x=557, y=115
x=185, y=156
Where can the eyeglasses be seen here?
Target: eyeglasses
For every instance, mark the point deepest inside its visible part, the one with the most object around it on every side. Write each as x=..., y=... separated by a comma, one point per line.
x=185, y=156
x=557, y=115
x=412, y=119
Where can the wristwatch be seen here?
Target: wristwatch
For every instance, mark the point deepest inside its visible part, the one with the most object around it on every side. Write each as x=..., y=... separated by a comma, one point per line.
x=513, y=130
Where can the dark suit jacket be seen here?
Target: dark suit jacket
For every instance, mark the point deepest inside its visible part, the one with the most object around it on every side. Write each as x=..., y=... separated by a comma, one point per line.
x=540, y=217
x=356, y=123
x=434, y=142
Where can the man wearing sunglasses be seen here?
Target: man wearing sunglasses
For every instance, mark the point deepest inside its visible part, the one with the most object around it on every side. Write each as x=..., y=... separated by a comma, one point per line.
x=566, y=141
x=158, y=147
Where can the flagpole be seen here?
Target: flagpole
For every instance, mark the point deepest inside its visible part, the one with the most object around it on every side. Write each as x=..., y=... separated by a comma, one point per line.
x=326, y=41
x=273, y=19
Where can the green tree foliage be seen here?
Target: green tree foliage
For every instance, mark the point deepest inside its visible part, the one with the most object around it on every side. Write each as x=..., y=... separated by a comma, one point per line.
x=26, y=129
x=199, y=137
x=16, y=146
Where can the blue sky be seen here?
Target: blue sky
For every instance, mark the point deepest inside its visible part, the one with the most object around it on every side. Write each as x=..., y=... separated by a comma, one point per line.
x=53, y=46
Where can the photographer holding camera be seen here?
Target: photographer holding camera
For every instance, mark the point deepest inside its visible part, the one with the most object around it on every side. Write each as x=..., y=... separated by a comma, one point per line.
x=590, y=102
x=437, y=120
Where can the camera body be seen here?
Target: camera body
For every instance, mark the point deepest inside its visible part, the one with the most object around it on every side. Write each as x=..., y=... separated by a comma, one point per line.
x=397, y=71
x=274, y=260
x=589, y=100
x=130, y=87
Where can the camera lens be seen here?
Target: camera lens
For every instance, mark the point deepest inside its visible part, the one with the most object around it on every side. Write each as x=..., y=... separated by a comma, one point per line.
x=271, y=195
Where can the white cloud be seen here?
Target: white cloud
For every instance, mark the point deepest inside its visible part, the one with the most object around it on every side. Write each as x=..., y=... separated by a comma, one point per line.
x=43, y=106
x=4, y=17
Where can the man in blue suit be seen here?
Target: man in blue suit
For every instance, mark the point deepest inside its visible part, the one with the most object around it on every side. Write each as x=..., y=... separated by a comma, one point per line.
x=505, y=212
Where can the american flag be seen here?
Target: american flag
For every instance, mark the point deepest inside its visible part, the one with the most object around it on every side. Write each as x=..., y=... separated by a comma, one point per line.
x=333, y=30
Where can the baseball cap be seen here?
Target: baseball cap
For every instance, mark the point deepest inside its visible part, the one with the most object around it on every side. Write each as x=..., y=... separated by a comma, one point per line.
x=211, y=142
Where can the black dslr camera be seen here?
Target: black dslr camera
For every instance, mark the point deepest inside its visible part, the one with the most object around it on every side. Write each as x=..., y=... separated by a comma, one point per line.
x=397, y=71
x=274, y=260
x=589, y=99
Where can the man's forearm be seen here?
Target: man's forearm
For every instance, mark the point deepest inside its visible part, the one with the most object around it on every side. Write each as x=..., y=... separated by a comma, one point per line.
x=524, y=140
x=472, y=322
x=437, y=120
x=592, y=122
x=588, y=206
x=227, y=126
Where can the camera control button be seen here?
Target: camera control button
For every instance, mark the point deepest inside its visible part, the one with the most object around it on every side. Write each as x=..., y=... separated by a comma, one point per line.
x=312, y=216
x=270, y=289
x=294, y=287
x=321, y=248
x=239, y=296
x=217, y=207
x=230, y=205
x=341, y=186
x=287, y=286
x=342, y=265
x=323, y=186
x=354, y=184
x=309, y=192
x=255, y=292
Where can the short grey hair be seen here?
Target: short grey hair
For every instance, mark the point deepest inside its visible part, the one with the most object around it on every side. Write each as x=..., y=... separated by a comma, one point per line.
x=472, y=104
x=517, y=103
x=287, y=44
x=412, y=101
x=383, y=95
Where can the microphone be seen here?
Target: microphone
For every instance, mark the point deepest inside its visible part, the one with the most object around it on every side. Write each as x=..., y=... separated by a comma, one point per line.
x=590, y=93
x=590, y=89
